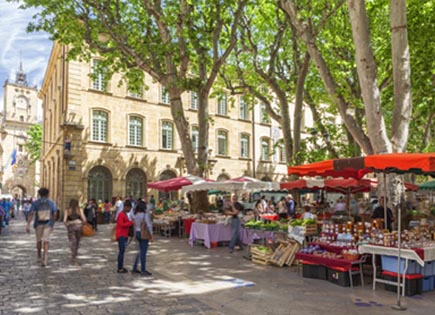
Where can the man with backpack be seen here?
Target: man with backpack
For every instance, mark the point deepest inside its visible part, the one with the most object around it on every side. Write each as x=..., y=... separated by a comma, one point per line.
x=45, y=213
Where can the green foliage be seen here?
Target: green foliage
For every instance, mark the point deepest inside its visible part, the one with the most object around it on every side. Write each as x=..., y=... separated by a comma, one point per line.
x=33, y=144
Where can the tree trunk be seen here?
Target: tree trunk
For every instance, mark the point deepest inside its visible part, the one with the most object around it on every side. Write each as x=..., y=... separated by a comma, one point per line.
x=401, y=75
x=306, y=34
x=367, y=74
x=299, y=101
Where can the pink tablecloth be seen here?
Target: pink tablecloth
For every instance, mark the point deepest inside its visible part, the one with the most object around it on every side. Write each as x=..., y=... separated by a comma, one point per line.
x=209, y=233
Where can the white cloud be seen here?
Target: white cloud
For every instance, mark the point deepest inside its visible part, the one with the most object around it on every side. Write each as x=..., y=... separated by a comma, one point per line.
x=33, y=49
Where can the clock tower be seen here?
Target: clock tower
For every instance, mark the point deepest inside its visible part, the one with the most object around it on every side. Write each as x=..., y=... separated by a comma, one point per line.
x=19, y=114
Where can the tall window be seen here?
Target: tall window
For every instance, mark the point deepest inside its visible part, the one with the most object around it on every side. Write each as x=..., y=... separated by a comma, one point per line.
x=281, y=152
x=164, y=95
x=243, y=107
x=194, y=100
x=195, y=139
x=244, y=146
x=167, y=135
x=99, y=75
x=222, y=142
x=265, y=149
x=265, y=119
x=136, y=92
x=135, y=131
x=99, y=126
x=222, y=104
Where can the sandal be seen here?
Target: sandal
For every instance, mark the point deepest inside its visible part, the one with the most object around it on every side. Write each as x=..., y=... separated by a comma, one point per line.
x=123, y=270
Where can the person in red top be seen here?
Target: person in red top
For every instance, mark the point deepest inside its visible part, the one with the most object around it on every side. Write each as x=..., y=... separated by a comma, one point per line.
x=122, y=226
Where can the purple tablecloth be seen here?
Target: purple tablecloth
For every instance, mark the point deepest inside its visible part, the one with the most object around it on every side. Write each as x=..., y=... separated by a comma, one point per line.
x=209, y=233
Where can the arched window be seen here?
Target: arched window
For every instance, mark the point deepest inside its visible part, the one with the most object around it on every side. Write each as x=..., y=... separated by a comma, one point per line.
x=168, y=174
x=222, y=177
x=135, y=183
x=100, y=183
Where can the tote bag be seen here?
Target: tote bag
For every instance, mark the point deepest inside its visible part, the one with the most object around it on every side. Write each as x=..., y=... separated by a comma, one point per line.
x=144, y=233
x=87, y=230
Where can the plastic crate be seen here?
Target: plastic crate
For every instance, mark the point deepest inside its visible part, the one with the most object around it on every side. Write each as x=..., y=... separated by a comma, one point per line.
x=340, y=276
x=313, y=271
x=389, y=263
x=428, y=269
x=428, y=283
x=413, y=285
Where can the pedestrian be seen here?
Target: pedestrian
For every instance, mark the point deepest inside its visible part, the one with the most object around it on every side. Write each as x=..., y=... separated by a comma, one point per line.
x=379, y=213
x=119, y=205
x=234, y=210
x=142, y=214
x=282, y=208
x=26, y=208
x=122, y=226
x=291, y=206
x=2, y=214
x=91, y=213
x=74, y=218
x=45, y=213
x=106, y=209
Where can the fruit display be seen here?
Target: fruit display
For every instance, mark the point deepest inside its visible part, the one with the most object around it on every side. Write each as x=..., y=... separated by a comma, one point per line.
x=259, y=225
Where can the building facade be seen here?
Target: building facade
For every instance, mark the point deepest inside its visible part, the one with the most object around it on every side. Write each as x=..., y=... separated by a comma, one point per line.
x=101, y=140
x=19, y=176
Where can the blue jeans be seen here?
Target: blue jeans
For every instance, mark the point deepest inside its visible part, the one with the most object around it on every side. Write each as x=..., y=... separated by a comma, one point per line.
x=235, y=233
x=143, y=248
x=122, y=244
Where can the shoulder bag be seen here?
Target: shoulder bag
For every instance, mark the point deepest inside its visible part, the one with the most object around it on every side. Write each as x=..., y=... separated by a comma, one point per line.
x=144, y=232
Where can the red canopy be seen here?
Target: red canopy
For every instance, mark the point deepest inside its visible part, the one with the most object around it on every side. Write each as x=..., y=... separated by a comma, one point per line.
x=176, y=183
x=417, y=163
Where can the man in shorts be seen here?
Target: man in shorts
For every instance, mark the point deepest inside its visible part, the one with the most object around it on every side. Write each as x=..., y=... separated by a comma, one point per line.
x=45, y=213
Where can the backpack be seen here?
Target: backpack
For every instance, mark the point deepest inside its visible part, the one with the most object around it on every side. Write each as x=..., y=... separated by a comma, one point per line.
x=43, y=211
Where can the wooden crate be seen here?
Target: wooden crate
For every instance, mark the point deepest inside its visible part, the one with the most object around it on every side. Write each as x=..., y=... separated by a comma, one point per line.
x=311, y=229
x=285, y=253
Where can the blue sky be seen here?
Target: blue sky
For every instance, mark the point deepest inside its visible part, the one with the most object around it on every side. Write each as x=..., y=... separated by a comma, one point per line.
x=34, y=48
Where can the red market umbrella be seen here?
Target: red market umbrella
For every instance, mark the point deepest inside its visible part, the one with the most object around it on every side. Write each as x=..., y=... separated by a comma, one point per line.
x=174, y=184
x=346, y=168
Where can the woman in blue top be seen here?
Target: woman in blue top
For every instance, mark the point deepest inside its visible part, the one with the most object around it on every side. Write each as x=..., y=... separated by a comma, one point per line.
x=142, y=214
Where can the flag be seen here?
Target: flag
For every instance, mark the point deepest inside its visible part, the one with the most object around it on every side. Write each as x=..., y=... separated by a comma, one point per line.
x=14, y=156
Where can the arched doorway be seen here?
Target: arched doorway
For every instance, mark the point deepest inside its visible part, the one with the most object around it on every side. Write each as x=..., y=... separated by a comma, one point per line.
x=168, y=174
x=100, y=183
x=135, y=182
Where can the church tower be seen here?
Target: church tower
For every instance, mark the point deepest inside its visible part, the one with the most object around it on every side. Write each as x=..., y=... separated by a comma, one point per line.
x=19, y=114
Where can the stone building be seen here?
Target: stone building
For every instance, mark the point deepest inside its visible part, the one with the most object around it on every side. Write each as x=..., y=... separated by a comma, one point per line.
x=100, y=140
x=19, y=176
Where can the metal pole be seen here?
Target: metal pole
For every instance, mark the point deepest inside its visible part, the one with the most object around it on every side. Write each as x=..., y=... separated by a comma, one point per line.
x=398, y=306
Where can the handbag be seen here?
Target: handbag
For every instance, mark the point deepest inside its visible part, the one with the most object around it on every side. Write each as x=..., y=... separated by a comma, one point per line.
x=87, y=230
x=144, y=232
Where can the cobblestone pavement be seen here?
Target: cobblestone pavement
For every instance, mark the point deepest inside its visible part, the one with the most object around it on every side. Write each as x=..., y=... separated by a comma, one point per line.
x=186, y=280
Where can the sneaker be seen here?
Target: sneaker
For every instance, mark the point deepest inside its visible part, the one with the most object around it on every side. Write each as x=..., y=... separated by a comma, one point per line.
x=146, y=273
x=135, y=271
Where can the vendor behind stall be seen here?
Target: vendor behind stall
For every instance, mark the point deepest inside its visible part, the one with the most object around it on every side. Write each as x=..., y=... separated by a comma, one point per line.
x=379, y=213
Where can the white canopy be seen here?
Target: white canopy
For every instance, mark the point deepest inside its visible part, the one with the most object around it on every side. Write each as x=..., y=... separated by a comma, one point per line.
x=244, y=183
